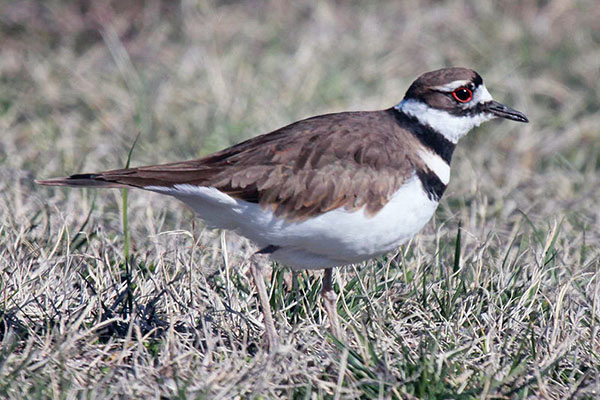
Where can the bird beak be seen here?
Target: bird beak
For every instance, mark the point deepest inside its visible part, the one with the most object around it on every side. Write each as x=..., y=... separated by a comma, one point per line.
x=502, y=111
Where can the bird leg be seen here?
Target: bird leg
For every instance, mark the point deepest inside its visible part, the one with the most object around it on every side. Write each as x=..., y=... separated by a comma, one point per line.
x=272, y=339
x=329, y=302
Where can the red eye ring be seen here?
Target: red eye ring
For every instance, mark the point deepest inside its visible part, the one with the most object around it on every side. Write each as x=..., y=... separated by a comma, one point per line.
x=463, y=94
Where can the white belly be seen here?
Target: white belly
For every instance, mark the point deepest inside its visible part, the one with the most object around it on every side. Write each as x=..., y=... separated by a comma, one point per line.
x=338, y=237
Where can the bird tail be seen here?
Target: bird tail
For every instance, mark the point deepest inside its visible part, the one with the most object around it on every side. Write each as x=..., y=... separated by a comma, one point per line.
x=82, y=180
x=164, y=175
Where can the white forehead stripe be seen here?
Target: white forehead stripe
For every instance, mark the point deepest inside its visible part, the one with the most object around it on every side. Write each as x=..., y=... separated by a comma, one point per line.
x=448, y=87
x=437, y=165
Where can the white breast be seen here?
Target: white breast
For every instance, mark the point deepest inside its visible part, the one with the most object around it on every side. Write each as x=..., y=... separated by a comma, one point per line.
x=338, y=237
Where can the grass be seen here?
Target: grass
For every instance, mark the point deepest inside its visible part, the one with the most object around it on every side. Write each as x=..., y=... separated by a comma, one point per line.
x=498, y=297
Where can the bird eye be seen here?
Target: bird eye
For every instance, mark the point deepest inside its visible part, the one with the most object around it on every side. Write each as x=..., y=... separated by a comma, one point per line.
x=463, y=94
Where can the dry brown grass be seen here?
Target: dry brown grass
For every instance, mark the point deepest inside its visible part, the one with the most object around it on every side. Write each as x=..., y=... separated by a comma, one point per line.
x=516, y=315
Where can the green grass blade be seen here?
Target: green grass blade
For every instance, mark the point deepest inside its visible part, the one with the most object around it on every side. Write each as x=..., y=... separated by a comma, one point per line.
x=124, y=195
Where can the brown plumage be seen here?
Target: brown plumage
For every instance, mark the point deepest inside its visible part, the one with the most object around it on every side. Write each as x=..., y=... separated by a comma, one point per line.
x=350, y=159
x=357, y=161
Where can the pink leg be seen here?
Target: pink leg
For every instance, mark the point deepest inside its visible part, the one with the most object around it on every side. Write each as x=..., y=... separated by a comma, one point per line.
x=272, y=339
x=329, y=302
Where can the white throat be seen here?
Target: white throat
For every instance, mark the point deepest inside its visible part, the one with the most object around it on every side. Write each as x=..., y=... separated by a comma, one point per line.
x=453, y=127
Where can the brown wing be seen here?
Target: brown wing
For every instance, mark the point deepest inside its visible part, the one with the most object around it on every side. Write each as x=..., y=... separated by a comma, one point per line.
x=349, y=160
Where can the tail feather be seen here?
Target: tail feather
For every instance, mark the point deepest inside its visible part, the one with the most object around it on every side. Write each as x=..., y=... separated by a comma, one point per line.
x=81, y=180
x=165, y=175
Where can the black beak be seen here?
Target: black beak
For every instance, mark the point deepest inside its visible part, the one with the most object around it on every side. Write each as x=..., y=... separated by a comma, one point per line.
x=500, y=110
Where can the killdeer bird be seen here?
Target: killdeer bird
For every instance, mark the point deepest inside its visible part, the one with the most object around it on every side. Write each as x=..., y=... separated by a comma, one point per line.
x=330, y=190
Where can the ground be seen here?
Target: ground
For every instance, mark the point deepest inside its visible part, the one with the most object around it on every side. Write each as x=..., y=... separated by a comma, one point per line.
x=498, y=297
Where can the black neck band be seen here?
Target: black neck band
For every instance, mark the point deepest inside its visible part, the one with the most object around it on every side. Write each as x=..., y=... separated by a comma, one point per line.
x=428, y=136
